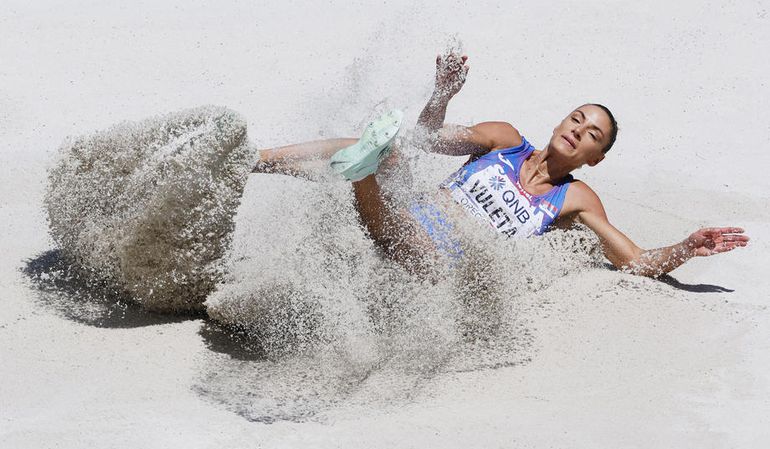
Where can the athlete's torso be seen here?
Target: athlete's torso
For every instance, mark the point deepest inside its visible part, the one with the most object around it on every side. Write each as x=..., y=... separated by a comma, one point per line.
x=489, y=189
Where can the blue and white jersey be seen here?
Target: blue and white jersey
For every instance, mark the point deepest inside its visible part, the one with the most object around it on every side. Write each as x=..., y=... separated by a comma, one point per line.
x=488, y=188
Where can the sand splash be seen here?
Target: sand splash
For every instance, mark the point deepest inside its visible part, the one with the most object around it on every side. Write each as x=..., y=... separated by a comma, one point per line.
x=154, y=206
x=149, y=205
x=332, y=320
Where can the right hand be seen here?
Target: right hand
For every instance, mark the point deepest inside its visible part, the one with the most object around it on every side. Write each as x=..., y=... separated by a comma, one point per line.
x=451, y=71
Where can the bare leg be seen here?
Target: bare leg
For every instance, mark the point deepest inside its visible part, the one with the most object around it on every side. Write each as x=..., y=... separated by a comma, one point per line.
x=395, y=231
x=300, y=159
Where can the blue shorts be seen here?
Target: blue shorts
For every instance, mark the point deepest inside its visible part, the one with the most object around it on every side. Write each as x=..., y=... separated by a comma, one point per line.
x=438, y=227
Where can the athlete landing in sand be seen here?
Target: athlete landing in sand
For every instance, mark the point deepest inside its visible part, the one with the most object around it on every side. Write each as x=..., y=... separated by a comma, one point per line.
x=507, y=183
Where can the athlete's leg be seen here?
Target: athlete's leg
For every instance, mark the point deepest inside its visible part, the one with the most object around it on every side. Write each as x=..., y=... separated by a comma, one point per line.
x=359, y=158
x=301, y=159
x=393, y=230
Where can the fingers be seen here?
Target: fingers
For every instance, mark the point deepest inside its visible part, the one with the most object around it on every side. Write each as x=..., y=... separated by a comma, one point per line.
x=735, y=238
x=720, y=235
x=718, y=248
x=464, y=73
x=451, y=57
x=728, y=230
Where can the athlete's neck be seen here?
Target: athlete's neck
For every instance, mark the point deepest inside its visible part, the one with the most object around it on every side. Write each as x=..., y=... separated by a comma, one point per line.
x=543, y=170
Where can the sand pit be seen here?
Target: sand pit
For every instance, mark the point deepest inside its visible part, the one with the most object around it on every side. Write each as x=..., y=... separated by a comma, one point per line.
x=149, y=205
x=614, y=361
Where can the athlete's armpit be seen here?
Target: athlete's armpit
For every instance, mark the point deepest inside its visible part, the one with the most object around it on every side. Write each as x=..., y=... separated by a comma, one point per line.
x=565, y=222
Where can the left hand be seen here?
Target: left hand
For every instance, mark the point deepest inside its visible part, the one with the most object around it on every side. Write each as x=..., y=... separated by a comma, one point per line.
x=710, y=241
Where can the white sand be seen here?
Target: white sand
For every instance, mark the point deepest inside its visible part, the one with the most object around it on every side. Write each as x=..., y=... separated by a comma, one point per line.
x=149, y=205
x=619, y=362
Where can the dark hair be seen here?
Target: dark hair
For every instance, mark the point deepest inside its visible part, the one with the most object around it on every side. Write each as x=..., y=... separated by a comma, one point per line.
x=613, y=124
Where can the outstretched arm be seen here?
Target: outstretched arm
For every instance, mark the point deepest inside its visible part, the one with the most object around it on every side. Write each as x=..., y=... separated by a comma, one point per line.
x=626, y=255
x=457, y=140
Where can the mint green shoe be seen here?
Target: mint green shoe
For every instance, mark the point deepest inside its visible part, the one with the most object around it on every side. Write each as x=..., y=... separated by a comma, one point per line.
x=361, y=159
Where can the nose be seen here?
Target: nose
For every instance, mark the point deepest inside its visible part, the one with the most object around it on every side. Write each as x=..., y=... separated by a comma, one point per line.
x=576, y=132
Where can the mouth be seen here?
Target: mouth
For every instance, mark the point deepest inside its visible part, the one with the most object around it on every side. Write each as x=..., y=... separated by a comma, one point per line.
x=570, y=141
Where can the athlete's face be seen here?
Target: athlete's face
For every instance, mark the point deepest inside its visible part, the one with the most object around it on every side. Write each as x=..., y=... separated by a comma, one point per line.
x=582, y=135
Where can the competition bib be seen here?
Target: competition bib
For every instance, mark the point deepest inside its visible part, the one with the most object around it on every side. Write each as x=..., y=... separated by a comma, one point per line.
x=493, y=194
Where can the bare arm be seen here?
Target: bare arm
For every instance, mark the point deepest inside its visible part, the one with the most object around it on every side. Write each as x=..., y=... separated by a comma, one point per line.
x=457, y=140
x=451, y=71
x=626, y=255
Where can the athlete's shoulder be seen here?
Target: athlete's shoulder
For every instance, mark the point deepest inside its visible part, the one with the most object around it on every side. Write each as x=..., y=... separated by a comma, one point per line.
x=498, y=135
x=581, y=198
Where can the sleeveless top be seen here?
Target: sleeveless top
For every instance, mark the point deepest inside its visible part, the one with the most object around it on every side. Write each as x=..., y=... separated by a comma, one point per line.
x=488, y=188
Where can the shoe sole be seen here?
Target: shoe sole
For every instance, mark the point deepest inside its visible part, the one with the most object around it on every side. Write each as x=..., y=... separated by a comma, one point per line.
x=355, y=162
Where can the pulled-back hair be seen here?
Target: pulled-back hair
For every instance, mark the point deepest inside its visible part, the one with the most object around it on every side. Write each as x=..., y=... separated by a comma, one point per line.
x=613, y=124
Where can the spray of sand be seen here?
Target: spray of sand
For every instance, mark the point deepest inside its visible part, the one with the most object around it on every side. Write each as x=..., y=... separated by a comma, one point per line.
x=332, y=320
x=149, y=205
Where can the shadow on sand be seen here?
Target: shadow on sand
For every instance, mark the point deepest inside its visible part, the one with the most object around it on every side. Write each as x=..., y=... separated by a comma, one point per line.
x=231, y=341
x=692, y=288
x=77, y=295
